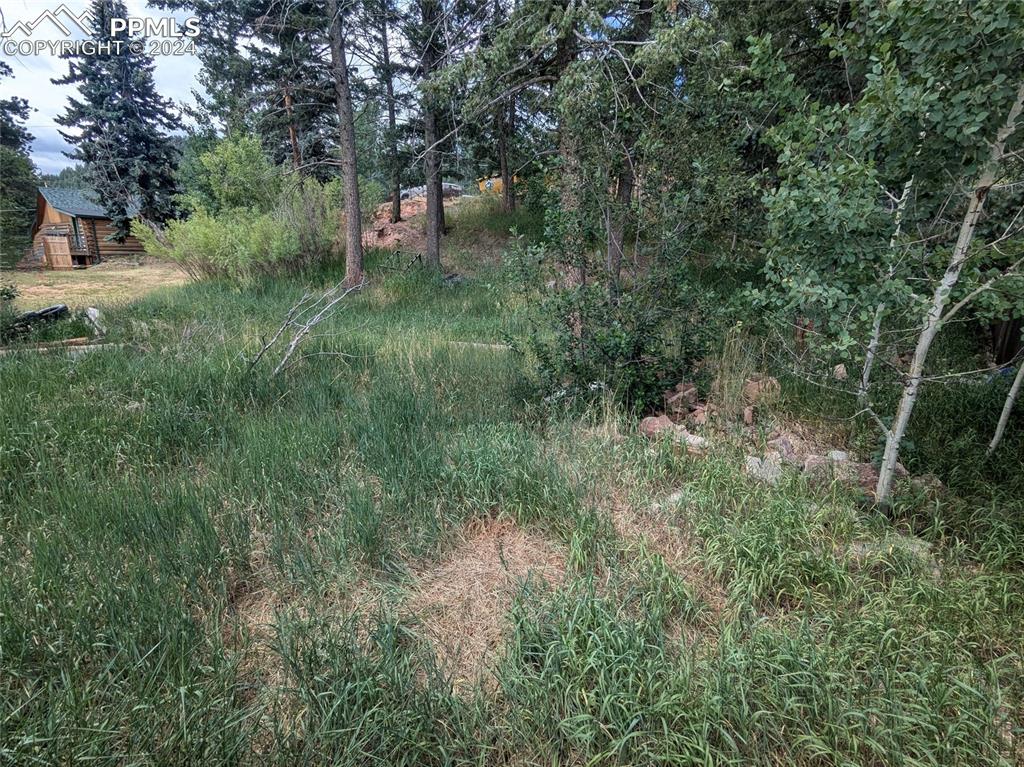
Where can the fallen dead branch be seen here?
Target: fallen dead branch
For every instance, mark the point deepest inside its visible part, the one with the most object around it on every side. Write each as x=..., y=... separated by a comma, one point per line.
x=308, y=312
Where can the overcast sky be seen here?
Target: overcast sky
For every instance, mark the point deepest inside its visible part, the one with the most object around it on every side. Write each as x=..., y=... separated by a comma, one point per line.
x=175, y=76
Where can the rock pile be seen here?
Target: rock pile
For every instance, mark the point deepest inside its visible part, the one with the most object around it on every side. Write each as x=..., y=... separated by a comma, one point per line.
x=683, y=408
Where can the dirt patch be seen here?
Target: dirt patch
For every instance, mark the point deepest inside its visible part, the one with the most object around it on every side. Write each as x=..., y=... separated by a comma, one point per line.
x=408, y=234
x=116, y=281
x=654, y=529
x=463, y=602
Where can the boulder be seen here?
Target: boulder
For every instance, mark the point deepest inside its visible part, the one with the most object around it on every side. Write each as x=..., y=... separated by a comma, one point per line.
x=838, y=456
x=760, y=389
x=767, y=469
x=784, y=447
x=682, y=399
x=694, y=444
x=655, y=425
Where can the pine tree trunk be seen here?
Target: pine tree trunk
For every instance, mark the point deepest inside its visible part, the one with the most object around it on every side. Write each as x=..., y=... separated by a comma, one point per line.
x=432, y=155
x=349, y=170
x=389, y=90
x=933, y=319
x=504, y=120
x=293, y=134
x=626, y=181
x=1004, y=417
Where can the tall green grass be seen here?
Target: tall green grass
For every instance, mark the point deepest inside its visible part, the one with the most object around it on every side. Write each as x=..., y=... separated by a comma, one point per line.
x=184, y=543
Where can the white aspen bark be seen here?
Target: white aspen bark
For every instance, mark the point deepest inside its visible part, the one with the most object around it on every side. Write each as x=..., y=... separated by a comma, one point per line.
x=933, y=318
x=869, y=356
x=876, y=327
x=1004, y=417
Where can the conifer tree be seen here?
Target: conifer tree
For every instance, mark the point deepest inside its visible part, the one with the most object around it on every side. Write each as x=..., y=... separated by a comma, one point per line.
x=121, y=123
x=17, y=174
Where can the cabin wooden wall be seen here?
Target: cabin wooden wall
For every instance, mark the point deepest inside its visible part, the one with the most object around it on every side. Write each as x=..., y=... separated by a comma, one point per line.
x=94, y=232
x=110, y=248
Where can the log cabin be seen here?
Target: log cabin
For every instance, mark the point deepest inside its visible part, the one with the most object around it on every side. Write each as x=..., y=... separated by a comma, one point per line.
x=71, y=231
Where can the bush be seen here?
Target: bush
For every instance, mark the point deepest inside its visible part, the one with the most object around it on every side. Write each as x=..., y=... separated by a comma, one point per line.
x=298, y=232
x=238, y=176
x=8, y=292
x=586, y=341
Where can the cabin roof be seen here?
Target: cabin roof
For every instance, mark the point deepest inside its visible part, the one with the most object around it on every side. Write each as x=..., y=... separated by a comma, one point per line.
x=79, y=202
x=74, y=202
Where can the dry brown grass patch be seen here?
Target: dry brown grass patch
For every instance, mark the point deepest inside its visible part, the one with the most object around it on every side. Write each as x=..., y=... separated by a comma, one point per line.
x=656, y=533
x=463, y=602
x=116, y=281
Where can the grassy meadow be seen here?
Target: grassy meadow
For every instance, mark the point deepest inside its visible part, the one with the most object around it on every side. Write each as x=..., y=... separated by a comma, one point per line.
x=395, y=554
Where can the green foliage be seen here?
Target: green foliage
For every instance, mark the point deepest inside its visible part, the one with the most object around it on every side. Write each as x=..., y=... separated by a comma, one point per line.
x=238, y=176
x=17, y=176
x=231, y=245
x=919, y=126
x=17, y=203
x=118, y=122
x=248, y=218
x=8, y=292
x=585, y=342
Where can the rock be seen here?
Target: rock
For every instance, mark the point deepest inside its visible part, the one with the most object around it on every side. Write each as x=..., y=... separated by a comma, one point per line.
x=784, y=447
x=760, y=389
x=682, y=399
x=654, y=425
x=699, y=416
x=694, y=444
x=917, y=550
x=865, y=475
x=95, y=318
x=839, y=372
x=748, y=415
x=816, y=467
x=928, y=485
x=767, y=469
x=822, y=470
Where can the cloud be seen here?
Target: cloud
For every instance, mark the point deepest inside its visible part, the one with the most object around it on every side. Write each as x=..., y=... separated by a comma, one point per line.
x=175, y=76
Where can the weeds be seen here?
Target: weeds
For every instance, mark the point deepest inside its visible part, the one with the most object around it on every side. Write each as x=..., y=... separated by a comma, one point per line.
x=184, y=548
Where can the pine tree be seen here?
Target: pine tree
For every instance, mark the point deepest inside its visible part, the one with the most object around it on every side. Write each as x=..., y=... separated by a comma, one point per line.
x=13, y=112
x=17, y=174
x=122, y=123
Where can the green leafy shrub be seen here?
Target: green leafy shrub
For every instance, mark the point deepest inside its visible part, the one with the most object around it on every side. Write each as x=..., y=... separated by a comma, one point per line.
x=585, y=341
x=8, y=292
x=248, y=219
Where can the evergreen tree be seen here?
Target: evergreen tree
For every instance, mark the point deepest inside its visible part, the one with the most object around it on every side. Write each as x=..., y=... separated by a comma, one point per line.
x=17, y=175
x=13, y=112
x=122, y=123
